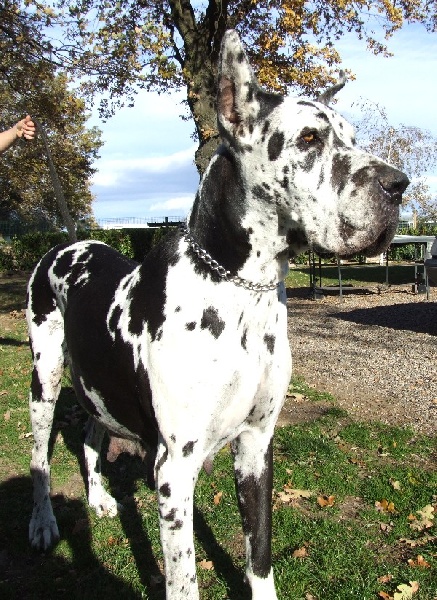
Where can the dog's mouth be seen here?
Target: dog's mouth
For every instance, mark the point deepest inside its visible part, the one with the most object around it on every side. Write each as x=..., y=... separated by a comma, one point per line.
x=382, y=242
x=354, y=240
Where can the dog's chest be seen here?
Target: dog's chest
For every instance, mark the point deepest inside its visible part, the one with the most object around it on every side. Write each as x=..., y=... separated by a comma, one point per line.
x=232, y=342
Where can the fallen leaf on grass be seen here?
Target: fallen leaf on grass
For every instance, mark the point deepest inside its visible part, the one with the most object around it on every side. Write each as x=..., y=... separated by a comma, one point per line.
x=24, y=436
x=206, y=565
x=419, y=562
x=7, y=415
x=385, y=579
x=395, y=484
x=218, y=498
x=300, y=553
x=3, y=393
x=323, y=501
x=426, y=539
x=289, y=494
x=385, y=506
x=406, y=591
x=425, y=520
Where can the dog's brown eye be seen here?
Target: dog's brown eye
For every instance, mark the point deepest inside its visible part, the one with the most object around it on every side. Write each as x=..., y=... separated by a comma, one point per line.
x=309, y=137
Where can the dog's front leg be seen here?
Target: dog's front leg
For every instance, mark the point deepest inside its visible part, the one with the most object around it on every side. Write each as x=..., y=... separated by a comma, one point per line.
x=175, y=480
x=253, y=463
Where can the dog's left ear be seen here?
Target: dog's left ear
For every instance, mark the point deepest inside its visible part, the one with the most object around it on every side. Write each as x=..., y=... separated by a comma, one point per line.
x=239, y=94
x=326, y=96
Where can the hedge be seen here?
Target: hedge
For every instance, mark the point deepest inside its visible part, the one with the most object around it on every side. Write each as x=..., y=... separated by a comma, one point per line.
x=23, y=252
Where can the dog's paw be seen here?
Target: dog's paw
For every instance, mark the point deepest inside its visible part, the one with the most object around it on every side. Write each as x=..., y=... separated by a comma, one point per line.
x=104, y=505
x=43, y=530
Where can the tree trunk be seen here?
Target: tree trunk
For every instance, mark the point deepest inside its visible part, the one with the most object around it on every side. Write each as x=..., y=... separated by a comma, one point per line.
x=57, y=187
x=199, y=63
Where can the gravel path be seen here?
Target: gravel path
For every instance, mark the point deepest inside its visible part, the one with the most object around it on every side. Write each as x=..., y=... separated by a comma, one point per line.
x=375, y=353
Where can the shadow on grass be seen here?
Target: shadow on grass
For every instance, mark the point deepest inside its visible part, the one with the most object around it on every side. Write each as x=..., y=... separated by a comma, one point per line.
x=29, y=575
x=420, y=317
x=26, y=574
x=12, y=342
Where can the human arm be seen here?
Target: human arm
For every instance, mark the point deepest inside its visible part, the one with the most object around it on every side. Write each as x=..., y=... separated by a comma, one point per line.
x=23, y=129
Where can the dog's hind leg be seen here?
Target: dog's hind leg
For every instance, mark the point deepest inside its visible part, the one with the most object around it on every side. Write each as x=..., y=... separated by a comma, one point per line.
x=253, y=463
x=103, y=503
x=48, y=358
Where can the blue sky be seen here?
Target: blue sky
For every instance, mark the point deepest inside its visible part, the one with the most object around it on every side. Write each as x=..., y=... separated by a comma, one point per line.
x=146, y=165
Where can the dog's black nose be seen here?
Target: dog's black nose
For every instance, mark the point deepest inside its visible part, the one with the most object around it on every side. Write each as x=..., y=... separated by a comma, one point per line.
x=393, y=183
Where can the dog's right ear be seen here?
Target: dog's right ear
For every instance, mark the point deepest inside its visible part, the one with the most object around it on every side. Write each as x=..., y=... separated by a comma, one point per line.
x=326, y=96
x=237, y=102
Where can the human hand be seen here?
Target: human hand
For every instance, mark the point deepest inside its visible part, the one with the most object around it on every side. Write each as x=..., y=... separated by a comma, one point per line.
x=26, y=128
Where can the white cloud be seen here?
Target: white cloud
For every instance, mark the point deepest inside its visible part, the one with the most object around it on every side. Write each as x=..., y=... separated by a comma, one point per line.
x=112, y=171
x=181, y=203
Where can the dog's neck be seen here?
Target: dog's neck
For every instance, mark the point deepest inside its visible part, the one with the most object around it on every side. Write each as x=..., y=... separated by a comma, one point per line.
x=237, y=230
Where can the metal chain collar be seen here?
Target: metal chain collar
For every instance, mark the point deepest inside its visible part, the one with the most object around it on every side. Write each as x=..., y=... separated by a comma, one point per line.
x=221, y=271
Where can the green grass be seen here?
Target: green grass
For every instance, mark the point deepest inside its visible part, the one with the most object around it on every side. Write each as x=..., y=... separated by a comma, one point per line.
x=345, y=547
x=353, y=275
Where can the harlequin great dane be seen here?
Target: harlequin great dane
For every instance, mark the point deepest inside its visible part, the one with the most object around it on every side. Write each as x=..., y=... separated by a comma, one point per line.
x=189, y=351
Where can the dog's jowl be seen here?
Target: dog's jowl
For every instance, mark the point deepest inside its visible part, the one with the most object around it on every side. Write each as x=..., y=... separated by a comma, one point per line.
x=189, y=351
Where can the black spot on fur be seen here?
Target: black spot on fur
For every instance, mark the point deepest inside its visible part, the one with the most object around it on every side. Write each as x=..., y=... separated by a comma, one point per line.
x=42, y=299
x=148, y=296
x=306, y=103
x=269, y=341
x=321, y=178
x=261, y=193
x=275, y=145
x=341, y=172
x=36, y=387
x=171, y=515
x=165, y=490
x=216, y=218
x=321, y=115
x=244, y=339
x=310, y=160
x=62, y=266
x=188, y=448
x=177, y=525
x=269, y=101
x=362, y=177
x=265, y=130
x=212, y=321
x=254, y=499
x=190, y=326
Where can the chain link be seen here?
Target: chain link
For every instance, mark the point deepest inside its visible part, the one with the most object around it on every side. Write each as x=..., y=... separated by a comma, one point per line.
x=221, y=271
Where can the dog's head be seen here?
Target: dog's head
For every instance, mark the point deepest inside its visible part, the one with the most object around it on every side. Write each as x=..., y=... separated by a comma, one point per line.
x=299, y=158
